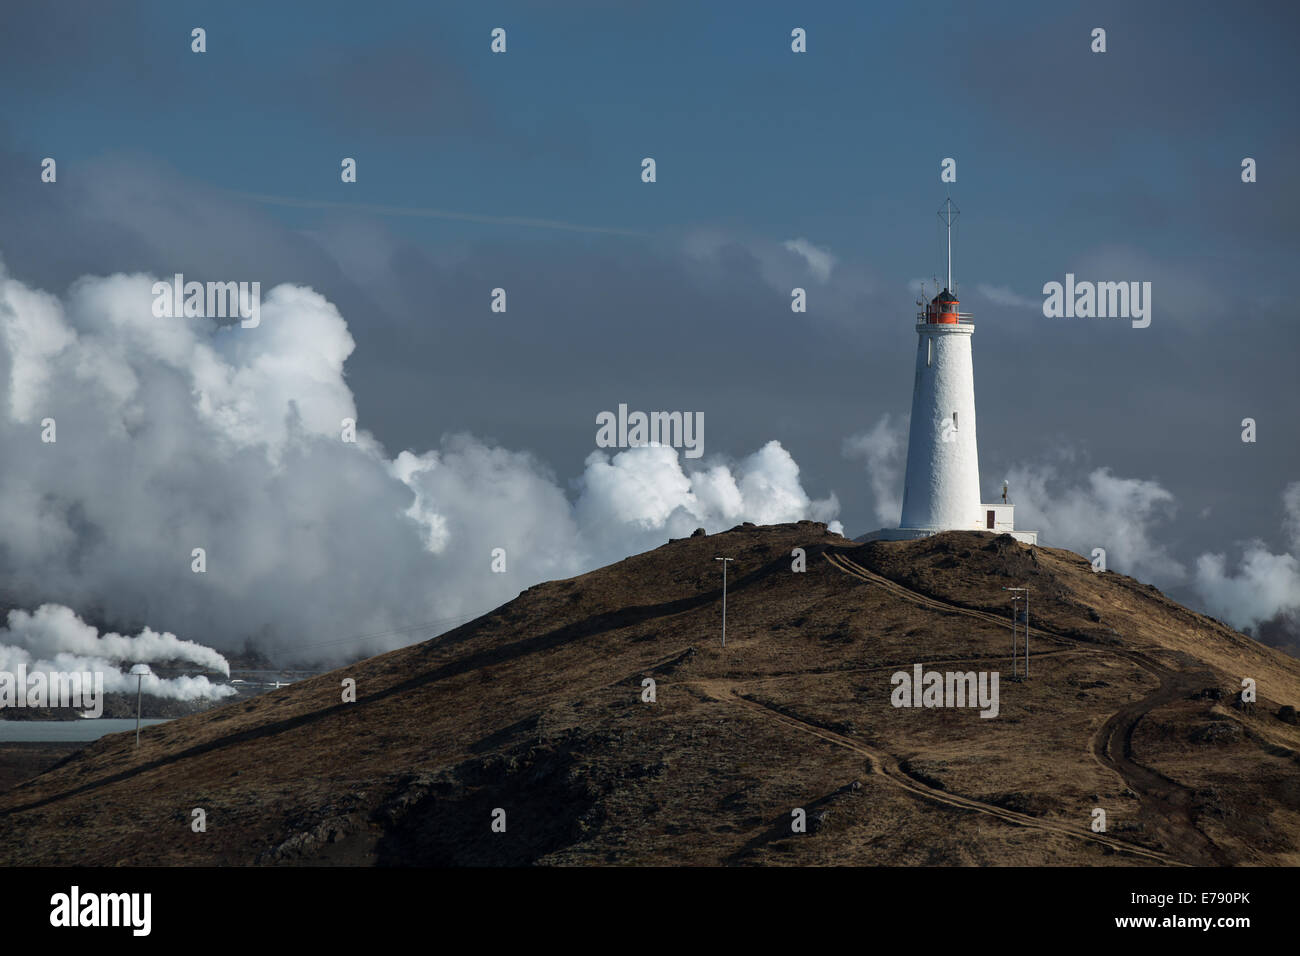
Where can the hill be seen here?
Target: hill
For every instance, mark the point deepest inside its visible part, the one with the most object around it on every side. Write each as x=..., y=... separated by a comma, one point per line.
x=536, y=709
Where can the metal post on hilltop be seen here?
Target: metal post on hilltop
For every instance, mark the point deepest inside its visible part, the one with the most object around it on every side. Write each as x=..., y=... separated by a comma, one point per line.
x=1016, y=616
x=140, y=671
x=724, y=597
x=1015, y=635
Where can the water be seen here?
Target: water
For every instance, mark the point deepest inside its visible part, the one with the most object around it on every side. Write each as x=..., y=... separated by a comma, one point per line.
x=68, y=731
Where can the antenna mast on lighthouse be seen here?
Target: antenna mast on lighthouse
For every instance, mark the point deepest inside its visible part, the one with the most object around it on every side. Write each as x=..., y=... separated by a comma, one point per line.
x=948, y=213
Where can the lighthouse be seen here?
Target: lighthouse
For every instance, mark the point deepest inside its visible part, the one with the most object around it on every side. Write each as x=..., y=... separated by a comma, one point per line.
x=941, y=491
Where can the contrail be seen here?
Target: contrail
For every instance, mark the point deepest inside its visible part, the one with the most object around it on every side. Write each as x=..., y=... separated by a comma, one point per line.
x=433, y=214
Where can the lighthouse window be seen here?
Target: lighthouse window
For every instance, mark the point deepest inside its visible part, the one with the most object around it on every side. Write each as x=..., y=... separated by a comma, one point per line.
x=954, y=421
x=929, y=351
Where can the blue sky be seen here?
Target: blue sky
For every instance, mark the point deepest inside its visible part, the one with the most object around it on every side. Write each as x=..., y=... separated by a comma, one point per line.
x=840, y=143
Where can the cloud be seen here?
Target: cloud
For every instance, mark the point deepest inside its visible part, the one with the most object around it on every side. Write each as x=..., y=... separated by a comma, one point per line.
x=883, y=449
x=643, y=493
x=1123, y=515
x=1004, y=296
x=781, y=265
x=54, y=638
x=1103, y=511
x=820, y=261
x=1266, y=585
x=175, y=434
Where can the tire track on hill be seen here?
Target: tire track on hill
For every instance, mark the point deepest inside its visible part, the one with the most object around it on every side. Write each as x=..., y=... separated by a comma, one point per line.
x=1165, y=803
x=887, y=767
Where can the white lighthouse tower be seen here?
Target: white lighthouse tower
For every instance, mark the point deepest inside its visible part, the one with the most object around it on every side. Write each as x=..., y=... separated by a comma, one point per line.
x=942, y=488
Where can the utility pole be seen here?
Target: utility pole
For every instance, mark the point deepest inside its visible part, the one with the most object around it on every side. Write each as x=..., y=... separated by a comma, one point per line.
x=1015, y=638
x=1017, y=616
x=140, y=670
x=724, y=597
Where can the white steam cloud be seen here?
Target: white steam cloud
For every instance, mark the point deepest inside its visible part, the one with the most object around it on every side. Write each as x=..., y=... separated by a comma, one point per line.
x=1267, y=585
x=1118, y=514
x=1123, y=516
x=174, y=434
x=54, y=638
x=883, y=451
x=820, y=260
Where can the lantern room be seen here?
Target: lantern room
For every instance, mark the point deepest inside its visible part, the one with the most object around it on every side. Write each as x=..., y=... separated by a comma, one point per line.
x=942, y=309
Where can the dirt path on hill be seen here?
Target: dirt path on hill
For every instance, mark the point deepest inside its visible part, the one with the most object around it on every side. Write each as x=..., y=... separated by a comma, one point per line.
x=886, y=766
x=1164, y=804
x=856, y=570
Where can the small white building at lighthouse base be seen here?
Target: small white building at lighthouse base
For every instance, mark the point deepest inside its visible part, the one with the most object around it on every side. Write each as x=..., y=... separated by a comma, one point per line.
x=1002, y=523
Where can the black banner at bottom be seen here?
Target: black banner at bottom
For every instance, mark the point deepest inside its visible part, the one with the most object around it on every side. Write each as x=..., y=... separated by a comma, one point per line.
x=655, y=906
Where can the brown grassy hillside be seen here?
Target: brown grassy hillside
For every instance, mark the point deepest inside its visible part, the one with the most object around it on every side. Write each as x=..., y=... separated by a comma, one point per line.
x=536, y=709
